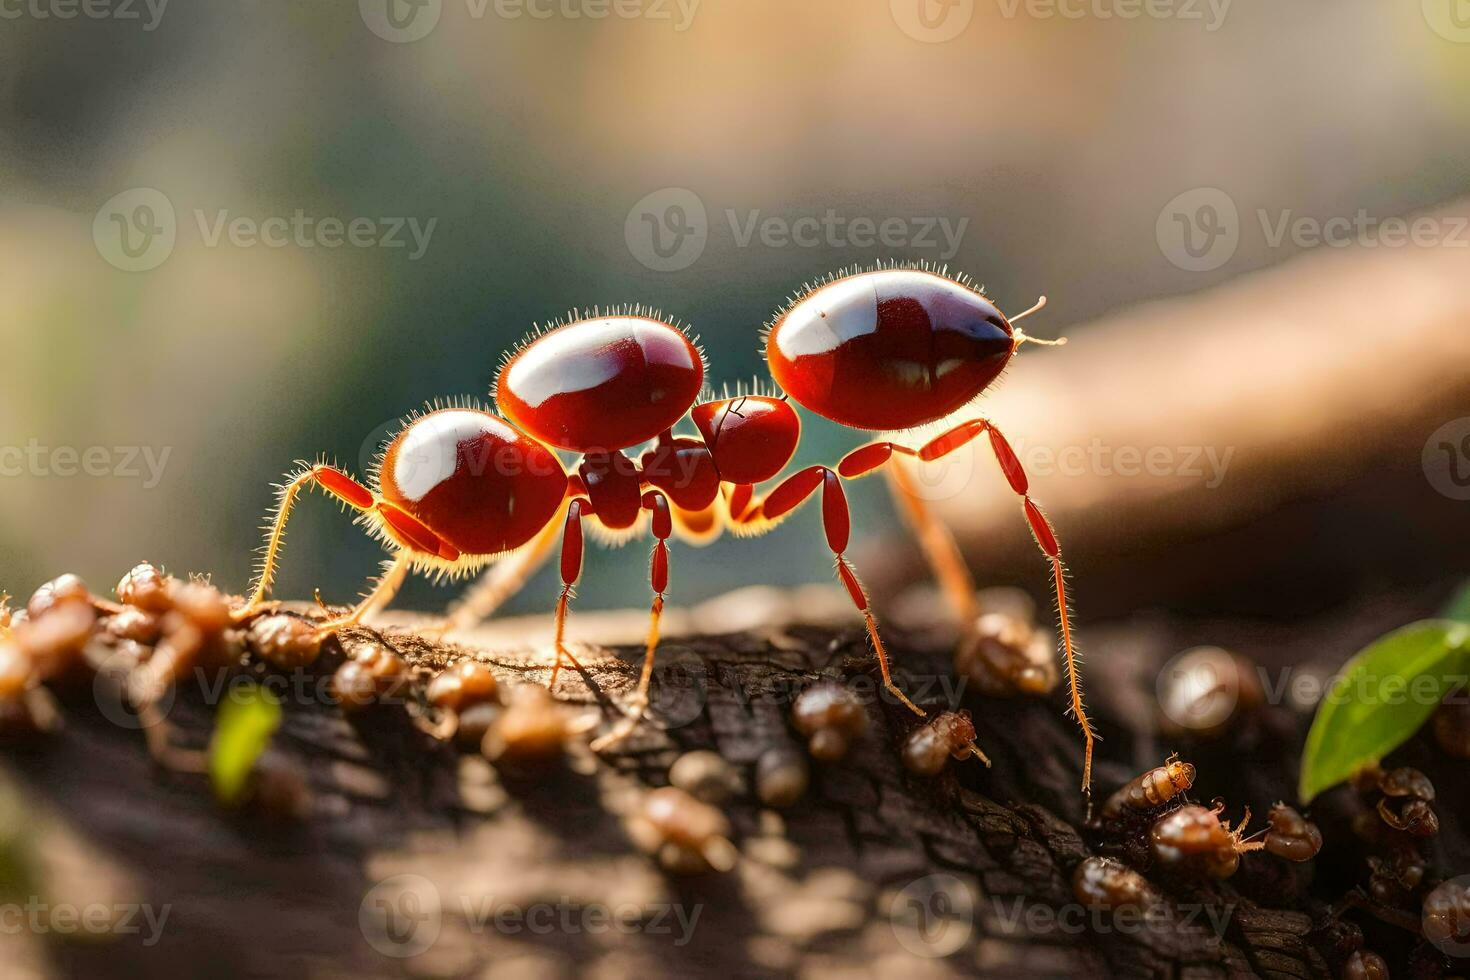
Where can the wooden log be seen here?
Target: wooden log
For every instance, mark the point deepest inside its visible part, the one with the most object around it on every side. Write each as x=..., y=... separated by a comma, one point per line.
x=875, y=872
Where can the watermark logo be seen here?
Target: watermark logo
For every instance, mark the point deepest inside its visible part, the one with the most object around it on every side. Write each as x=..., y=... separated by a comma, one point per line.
x=401, y=916
x=933, y=916
x=667, y=230
x=932, y=21
x=115, y=701
x=678, y=13
x=1446, y=459
x=567, y=916
x=145, y=463
x=1450, y=19
x=1199, y=230
x=1446, y=917
x=1198, y=689
x=147, y=12
x=405, y=21
x=1210, y=13
x=400, y=21
x=39, y=917
x=1021, y=916
x=135, y=230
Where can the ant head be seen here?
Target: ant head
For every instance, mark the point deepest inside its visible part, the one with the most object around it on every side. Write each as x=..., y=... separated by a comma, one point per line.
x=1181, y=774
x=752, y=437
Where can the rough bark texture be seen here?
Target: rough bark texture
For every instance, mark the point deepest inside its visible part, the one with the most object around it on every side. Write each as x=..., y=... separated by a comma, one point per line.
x=819, y=889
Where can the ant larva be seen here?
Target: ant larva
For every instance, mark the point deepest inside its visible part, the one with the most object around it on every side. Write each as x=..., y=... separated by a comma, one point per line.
x=459, y=487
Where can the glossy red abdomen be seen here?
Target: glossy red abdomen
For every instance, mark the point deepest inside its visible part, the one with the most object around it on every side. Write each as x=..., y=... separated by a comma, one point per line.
x=889, y=349
x=475, y=481
x=601, y=384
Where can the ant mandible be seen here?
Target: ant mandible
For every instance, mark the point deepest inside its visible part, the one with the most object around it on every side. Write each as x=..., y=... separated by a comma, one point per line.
x=459, y=488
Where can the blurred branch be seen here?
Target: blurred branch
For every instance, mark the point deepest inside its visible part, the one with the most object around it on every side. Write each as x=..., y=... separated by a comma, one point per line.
x=1234, y=414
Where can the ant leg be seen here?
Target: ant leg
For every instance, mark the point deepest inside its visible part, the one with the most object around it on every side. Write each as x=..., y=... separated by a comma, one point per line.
x=1046, y=540
x=395, y=573
x=330, y=479
x=387, y=585
x=501, y=581
x=870, y=457
x=658, y=577
x=939, y=546
x=571, y=570
x=838, y=526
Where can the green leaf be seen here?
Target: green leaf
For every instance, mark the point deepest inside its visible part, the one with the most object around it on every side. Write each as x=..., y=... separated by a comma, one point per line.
x=1458, y=608
x=247, y=720
x=1380, y=698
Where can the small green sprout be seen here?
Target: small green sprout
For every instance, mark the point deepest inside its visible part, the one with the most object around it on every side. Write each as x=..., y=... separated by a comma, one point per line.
x=247, y=720
x=1384, y=694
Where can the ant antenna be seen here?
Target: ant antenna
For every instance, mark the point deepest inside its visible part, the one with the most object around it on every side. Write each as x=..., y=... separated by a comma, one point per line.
x=1023, y=338
x=1039, y=304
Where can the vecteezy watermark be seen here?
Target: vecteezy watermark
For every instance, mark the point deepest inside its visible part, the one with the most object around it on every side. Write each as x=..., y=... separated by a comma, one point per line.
x=1450, y=19
x=115, y=699
x=1022, y=916
x=932, y=21
x=1205, y=464
x=34, y=459
x=404, y=21
x=1446, y=459
x=137, y=230
x=1199, y=689
x=39, y=917
x=953, y=474
x=933, y=916
x=402, y=916
x=667, y=231
x=1446, y=917
x=147, y=13
x=673, y=920
x=1209, y=13
x=1199, y=230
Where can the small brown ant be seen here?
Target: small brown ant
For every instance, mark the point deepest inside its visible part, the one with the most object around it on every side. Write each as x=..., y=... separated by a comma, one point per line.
x=881, y=349
x=1193, y=839
x=1291, y=835
x=1107, y=883
x=1153, y=788
x=688, y=836
x=831, y=717
x=929, y=747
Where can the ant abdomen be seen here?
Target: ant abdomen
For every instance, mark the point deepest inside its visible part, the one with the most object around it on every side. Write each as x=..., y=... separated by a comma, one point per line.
x=601, y=383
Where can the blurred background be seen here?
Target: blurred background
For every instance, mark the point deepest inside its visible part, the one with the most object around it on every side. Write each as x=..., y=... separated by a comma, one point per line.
x=237, y=234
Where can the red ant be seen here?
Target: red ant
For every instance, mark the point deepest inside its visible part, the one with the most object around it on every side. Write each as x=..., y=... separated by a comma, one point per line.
x=884, y=349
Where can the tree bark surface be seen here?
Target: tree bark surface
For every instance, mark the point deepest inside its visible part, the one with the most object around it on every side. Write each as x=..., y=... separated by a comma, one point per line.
x=841, y=884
